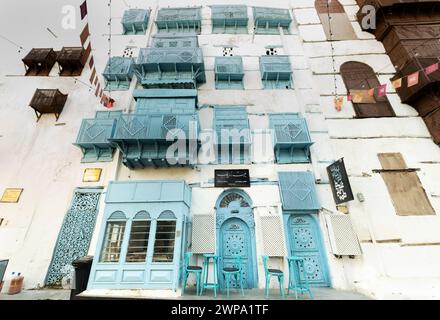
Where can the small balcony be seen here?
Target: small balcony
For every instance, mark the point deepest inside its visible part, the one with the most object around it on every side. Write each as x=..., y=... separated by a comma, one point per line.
x=39, y=62
x=118, y=73
x=144, y=139
x=48, y=101
x=291, y=138
x=179, y=20
x=71, y=61
x=135, y=21
x=229, y=73
x=270, y=20
x=276, y=72
x=229, y=19
x=170, y=67
x=93, y=137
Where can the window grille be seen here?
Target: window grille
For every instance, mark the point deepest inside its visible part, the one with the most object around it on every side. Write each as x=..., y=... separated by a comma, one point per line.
x=165, y=240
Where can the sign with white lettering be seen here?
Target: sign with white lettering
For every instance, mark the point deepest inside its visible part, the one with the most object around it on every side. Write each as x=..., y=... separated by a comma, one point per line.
x=339, y=182
x=232, y=178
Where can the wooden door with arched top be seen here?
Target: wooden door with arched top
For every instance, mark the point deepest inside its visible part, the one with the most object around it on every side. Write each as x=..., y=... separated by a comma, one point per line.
x=334, y=20
x=360, y=76
x=236, y=235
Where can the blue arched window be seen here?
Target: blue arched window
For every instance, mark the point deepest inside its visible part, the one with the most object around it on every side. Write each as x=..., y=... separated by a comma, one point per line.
x=165, y=237
x=113, y=238
x=139, y=235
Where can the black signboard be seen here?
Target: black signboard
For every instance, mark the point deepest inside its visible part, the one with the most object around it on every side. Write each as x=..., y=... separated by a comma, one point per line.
x=339, y=182
x=232, y=178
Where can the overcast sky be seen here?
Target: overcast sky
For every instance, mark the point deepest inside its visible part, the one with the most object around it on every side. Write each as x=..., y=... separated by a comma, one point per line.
x=25, y=22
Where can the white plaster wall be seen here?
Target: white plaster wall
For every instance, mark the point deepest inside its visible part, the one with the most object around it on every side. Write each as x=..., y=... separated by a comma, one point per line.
x=40, y=158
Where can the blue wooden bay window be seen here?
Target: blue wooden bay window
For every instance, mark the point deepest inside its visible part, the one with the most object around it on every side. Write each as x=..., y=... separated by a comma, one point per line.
x=233, y=139
x=174, y=61
x=229, y=19
x=162, y=119
x=93, y=137
x=229, y=73
x=135, y=21
x=118, y=73
x=140, y=244
x=291, y=137
x=269, y=20
x=165, y=101
x=276, y=72
x=179, y=20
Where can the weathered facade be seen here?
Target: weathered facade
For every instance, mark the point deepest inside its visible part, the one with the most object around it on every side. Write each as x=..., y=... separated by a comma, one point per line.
x=272, y=72
x=409, y=32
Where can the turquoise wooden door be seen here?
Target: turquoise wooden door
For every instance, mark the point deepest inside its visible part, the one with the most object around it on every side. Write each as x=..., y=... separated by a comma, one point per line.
x=75, y=234
x=305, y=241
x=236, y=235
x=235, y=241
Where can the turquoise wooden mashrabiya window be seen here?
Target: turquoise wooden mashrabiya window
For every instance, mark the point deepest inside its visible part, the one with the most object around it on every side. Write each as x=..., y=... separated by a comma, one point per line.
x=229, y=19
x=179, y=20
x=291, y=137
x=173, y=62
x=135, y=21
x=229, y=73
x=118, y=73
x=93, y=137
x=269, y=20
x=276, y=72
x=232, y=131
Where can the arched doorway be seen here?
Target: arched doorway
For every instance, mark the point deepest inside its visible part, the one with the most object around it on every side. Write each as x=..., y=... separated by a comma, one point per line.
x=236, y=233
x=360, y=76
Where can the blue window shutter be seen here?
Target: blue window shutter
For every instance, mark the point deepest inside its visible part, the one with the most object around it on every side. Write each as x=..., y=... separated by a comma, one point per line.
x=276, y=72
x=229, y=19
x=291, y=137
x=142, y=136
x=174, y=61
x=118, y=73
x=268, y=20
x=179, y=20
x=135, y=21
x=232, y=118
x=93, y=138
x=229, y=73
x=298, y=192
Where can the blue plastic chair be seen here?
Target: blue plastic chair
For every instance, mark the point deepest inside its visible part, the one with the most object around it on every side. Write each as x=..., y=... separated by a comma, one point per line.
x=272, y=273
x=187, y=269
x=234, y=270
x=295, y=284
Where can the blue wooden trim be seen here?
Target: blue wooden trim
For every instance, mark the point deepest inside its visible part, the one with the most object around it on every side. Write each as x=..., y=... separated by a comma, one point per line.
x=313, y=215
x=133, y=201
x=247, y=217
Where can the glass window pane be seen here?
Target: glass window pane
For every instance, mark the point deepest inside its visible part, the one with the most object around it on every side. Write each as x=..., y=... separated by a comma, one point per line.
x=114, y=235
x=164, y=244
x=138, y=244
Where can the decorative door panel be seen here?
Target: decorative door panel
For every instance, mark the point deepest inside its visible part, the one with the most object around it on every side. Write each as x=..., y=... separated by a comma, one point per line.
x=235, y=242
x=305, y=241
x=75, y=235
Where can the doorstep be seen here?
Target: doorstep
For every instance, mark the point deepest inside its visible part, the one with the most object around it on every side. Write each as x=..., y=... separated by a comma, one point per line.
x=128, y=294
